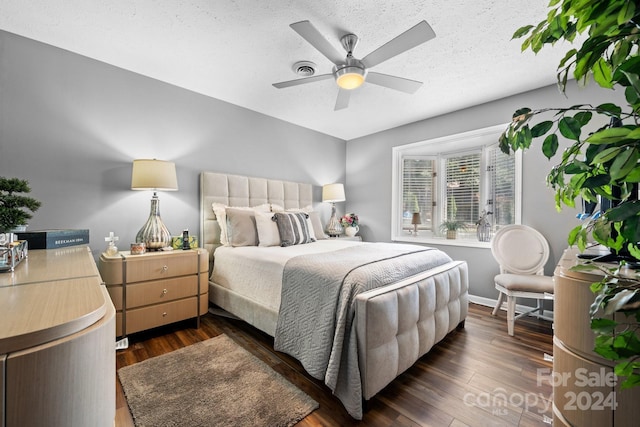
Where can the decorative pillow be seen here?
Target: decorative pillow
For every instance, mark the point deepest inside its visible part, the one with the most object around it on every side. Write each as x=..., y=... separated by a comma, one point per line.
x=267, y=229
x=241, y=227
x=316, y=224
x=219, y=209
x=293, y=228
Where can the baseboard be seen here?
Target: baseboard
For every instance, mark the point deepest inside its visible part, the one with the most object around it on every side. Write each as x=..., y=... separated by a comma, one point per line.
x=488, y=302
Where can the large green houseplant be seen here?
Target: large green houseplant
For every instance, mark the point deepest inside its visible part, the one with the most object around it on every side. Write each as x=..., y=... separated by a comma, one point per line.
x=15, y=207
x=602, y=163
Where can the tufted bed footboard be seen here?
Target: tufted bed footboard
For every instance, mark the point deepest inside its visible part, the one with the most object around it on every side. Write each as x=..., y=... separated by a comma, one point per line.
x=399, y=323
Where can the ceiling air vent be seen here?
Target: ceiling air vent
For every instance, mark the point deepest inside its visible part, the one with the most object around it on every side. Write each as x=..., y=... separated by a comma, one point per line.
x=304, y=68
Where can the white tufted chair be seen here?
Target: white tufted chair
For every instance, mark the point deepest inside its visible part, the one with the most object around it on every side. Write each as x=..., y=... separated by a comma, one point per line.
x=522, y=253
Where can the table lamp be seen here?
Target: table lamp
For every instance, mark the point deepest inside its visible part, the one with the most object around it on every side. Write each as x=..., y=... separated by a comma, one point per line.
x=415, y=220
x=156, y=175
x=332, y=193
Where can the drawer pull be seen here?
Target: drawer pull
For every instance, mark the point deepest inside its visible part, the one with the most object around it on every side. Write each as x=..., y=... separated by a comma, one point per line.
x=164, y=314
x=165, y=268
x=164, y=292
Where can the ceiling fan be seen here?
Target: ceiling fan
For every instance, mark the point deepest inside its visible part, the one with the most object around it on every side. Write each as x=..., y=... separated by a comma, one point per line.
x=350, y=72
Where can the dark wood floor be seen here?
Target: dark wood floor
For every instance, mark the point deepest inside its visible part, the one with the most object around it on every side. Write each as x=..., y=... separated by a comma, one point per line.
x=478, y=376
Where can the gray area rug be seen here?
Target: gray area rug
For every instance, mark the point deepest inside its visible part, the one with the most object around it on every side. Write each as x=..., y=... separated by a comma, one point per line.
x=211, y=383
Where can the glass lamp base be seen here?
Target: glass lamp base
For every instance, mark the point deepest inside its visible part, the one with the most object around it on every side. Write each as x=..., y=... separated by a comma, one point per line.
x=153, y=233
x=334, y=228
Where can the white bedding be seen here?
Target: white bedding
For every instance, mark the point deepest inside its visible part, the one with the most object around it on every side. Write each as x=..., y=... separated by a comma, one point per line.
x=236, y=268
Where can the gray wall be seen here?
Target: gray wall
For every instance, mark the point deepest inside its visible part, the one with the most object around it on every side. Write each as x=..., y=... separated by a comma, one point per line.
x=71, y=126
x=369, y=173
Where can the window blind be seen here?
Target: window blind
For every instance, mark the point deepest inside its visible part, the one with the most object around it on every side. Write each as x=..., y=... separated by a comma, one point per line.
x=462, y=187
x=417, y=191
x=501, y=169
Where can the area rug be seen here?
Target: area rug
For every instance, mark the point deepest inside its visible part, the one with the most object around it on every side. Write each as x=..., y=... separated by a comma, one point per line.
x=211, y=383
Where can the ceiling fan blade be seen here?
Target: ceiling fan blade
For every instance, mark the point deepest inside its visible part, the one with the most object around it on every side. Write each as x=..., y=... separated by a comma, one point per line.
x=393, y=82
x=317, y=40
x=411, y=38
x=303, y=81
x=343, y=99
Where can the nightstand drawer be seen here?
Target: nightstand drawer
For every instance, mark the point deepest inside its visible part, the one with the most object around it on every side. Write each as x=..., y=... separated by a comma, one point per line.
x=161, y=291
x=139, y=319
x=160, y=267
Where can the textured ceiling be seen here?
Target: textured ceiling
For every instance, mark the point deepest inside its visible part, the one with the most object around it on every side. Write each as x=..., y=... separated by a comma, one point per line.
x=234, y=50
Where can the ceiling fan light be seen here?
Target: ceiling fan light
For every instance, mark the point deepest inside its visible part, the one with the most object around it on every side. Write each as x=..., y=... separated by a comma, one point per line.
x=350, y=77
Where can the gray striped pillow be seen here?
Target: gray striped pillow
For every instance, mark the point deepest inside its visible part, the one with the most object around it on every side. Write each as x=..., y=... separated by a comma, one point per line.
x=293, y=228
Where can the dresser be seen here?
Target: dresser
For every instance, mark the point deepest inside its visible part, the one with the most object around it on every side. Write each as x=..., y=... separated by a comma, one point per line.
x=586, y=391
x=156, y=288
x=57, y=342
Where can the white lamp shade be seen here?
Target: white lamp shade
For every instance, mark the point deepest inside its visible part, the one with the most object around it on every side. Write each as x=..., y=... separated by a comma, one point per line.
x=152, y=174
x=333, y=193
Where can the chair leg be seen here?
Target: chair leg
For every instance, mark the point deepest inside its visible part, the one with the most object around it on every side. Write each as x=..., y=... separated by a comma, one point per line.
x=511, y=314
x=498, y=304
x=540, y=308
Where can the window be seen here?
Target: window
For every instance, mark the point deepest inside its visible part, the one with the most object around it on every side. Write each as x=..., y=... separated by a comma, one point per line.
x=454, y=179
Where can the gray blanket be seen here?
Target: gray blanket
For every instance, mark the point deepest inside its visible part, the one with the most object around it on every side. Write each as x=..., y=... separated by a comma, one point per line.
x=315, y=322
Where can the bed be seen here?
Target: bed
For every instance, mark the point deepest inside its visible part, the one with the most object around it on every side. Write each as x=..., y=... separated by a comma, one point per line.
x=371, y=312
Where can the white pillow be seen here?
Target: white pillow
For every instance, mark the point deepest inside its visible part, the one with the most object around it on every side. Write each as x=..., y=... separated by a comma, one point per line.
x=267, y=229
x=219, y=209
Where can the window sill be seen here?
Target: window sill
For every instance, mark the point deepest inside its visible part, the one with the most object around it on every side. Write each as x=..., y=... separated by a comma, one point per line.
x=469, y=243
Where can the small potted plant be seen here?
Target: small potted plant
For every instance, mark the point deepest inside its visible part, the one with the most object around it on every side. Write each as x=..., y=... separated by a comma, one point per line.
x=15, y=207
x=450, y=228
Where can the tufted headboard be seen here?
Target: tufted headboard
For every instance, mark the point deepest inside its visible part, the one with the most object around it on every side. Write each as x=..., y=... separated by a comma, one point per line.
x=237, y=190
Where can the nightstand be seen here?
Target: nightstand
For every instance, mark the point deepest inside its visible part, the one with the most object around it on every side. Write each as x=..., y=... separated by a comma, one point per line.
x=156, y=288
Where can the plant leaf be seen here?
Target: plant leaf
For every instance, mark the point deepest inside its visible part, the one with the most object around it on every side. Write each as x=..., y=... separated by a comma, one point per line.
x=541, y=128
x=626, y=12
x=569, y=128
x=618, y=301
x=521, y=31
x=623, y=211
x=610, y=108
x=602, y=73
x=596, y=181
x=603, y=326
x=550, y=145
x=608, y=136
x=606, y=155
x=633, y=176
x=583, y=117
x=624, y=163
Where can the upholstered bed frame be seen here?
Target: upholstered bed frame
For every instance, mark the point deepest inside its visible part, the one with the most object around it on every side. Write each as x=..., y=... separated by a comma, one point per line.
x=395, y=324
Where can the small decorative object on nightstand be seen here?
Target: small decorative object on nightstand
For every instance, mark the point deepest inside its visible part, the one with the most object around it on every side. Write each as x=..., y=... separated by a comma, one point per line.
x=350, y=224
x=332, y=193
x=112, y=249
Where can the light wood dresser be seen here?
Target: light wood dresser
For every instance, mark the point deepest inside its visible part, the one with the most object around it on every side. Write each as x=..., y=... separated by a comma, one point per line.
x=586, y=391
x=156, y=288
x=57, y=342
